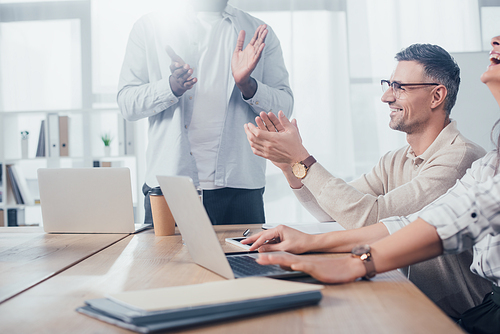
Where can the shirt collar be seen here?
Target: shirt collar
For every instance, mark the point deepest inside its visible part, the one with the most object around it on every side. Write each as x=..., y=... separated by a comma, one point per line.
x=228, y=11
x=445, y=137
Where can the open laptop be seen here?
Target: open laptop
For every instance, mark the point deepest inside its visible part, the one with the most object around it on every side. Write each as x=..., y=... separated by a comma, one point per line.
x=201, y=240
x=87, y=200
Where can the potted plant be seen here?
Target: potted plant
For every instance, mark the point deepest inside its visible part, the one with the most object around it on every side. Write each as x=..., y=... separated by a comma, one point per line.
x=106, y=139
x=24, y=144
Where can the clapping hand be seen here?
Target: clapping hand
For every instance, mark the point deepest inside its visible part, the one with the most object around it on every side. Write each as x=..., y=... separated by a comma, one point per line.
x=277, y=139
x=180, y=79
x=245, y=60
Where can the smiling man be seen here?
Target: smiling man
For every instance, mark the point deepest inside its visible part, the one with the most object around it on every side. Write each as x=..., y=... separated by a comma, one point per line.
x=420, y=95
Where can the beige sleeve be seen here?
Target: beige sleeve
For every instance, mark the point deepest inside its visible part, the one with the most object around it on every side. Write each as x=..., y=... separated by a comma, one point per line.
x=365, y=201
x=309, y=202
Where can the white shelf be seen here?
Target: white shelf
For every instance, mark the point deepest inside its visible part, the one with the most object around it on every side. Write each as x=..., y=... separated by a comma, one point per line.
x=61, y=111
x=85, y=127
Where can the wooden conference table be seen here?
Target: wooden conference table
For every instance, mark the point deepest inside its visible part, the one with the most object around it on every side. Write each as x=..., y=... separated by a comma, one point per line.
x=45, y=277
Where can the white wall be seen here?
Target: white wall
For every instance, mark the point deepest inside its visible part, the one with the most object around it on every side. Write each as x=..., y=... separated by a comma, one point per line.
x=476, y=110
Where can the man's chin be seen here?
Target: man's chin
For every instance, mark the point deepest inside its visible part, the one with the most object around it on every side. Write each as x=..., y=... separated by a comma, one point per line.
x=396, y=126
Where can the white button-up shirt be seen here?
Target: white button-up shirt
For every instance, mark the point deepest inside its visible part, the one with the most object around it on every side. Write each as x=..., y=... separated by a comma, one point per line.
x=144, y=91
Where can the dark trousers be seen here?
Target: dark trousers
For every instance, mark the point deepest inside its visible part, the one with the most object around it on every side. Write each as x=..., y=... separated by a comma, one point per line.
x=485, y=317
x=224, y=206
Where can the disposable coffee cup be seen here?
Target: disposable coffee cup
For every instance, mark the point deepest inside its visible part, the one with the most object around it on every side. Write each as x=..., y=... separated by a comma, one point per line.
x=163, y=221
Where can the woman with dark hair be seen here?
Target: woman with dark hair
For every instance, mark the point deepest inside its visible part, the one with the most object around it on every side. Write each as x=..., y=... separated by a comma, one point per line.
x=468, y=215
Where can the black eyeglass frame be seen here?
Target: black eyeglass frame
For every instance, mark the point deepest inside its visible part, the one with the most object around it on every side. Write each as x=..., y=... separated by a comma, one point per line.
x=396, y=86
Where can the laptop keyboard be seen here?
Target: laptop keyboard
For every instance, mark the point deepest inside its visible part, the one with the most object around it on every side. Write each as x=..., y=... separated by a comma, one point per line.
x=245, y=265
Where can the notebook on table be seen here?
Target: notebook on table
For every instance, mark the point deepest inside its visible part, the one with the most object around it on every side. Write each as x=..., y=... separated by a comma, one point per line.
x=171, y=308
x=201, y=240
x=87, y=200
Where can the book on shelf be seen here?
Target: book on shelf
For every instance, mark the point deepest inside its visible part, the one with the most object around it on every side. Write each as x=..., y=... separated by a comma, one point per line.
x=12, y=187
x=57, y=140
x=113, y=163
x=105, y=163
x=121, y=135
x=181, y=306
x=2, y=222
x=12, y=217
x=40, y=151
x=53, y=134
x=63, y=136
x=15, y=217
x=19, y=186
x=125, y=136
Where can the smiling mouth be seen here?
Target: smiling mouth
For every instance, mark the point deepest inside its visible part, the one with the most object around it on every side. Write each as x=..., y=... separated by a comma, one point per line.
x=495, y=58
x=395, y=109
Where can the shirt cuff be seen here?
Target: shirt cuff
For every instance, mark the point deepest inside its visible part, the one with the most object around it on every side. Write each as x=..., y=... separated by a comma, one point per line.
x=457, y=233
x=164, y=98
x=316, y=178
x=260, y=99
x=394, y=224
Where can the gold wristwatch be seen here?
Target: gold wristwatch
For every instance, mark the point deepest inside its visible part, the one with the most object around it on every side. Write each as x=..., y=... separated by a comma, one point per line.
x=299, y=169
x=363, y=252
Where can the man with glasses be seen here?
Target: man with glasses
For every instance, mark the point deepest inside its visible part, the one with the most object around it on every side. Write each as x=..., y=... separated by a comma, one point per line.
x=420, y=95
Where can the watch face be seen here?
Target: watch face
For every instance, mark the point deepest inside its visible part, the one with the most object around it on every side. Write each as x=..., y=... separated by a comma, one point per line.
x=360, y=250
x=299, y=170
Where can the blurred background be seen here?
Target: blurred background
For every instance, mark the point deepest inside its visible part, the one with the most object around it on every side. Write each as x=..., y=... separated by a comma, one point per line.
x=64, y=58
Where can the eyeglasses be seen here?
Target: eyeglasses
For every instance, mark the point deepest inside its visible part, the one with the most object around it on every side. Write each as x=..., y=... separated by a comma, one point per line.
x=397, y=87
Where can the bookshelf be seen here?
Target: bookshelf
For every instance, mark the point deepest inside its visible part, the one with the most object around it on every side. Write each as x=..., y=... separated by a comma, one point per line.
x=85, y=149
x=58, y=74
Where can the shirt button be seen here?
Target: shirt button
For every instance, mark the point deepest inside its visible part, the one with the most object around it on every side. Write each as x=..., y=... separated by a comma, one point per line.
x=270, y=110
x=171, y=101
x=191, y=153
x=186, y=126
x=257, y=102
x=473, y=215
x=190, y=97
x=251, y=103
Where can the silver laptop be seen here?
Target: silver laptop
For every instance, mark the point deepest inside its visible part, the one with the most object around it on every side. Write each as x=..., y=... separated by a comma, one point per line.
x=87, y=200
x=200, y=238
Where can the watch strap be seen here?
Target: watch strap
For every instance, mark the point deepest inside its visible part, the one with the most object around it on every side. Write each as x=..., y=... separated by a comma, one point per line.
x=363, y=252
x=369, y=265
x=309, y=161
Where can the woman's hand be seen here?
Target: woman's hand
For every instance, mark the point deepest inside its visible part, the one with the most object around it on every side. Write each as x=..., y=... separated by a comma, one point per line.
x=281, y=238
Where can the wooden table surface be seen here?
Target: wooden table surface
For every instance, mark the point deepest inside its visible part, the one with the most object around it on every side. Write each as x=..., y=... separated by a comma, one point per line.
x=387, y=304
x=29, y=256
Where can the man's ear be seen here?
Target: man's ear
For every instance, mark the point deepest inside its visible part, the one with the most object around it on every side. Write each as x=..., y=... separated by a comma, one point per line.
x=438, y=96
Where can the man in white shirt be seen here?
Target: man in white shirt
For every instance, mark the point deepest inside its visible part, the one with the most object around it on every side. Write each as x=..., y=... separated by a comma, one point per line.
x=198, y=78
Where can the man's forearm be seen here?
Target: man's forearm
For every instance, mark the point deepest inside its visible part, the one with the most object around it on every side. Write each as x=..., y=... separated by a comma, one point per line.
x=135, y=102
